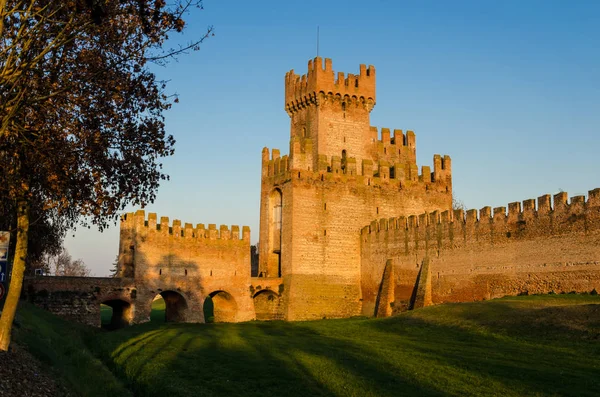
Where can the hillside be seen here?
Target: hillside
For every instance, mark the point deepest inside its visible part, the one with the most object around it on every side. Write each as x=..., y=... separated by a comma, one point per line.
x=535, y=345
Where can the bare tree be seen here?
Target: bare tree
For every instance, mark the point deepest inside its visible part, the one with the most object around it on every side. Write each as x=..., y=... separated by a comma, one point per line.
x=458, y=204
x=64, y=265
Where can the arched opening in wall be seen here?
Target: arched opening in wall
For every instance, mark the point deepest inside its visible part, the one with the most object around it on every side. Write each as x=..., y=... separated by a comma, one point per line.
x=168, y=306
x=219, y=307
x=344, y=161
x=115, y=314
x=276, y=221
x=267, y=306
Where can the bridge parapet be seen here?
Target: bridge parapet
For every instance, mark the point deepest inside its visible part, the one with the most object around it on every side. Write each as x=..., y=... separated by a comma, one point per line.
x=79, y=298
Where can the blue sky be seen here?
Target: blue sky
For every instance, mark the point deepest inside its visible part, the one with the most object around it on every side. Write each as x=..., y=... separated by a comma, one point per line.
x=509, y=89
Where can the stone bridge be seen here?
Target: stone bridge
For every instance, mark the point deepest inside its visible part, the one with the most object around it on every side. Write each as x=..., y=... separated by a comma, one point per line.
x=79, y=299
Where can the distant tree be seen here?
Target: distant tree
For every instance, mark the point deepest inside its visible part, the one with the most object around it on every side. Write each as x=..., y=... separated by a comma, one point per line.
x=114, y=269
x=458, y=204
x=81, y=115
x=64, y=265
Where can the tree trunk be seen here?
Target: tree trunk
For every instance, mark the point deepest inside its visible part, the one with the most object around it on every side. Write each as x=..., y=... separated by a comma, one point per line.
x=16, y=280
x=2, y=15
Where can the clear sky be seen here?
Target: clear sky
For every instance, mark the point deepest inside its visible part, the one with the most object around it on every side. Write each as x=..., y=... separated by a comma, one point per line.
x=509, y=89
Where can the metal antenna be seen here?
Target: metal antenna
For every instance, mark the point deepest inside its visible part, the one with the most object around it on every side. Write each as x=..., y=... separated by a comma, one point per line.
x=317, y=40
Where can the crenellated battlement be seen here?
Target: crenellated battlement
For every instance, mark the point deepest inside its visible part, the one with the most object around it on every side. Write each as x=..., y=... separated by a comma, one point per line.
x=138, y=221
x=394, y=138
x=522, y=220
x=522, y=248
x=275, y=165
x=302, y=90
x=372, y=173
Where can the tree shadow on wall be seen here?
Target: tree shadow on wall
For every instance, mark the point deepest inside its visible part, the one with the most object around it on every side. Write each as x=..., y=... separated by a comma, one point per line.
x=180, y=284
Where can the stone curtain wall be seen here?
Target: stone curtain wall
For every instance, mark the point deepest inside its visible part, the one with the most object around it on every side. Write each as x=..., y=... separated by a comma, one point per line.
x=79, y=298
x=323, y=212
x=340, y=174
x=194, y=262
x=316, y=257
x=527, y=250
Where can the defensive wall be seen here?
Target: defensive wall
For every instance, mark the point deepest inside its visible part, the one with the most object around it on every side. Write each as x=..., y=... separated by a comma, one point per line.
x=323, y=211
x=341, y=172
x=195, y=262
x=482, y=255
x=79, y=298
x=184, y=264
x=339, y=232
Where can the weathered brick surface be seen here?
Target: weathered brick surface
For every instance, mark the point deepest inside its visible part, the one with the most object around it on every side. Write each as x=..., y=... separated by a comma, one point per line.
x=526, y=250
x=194, y=262
x=340, y=174
x=79, y=298
x=348, y=199
x=385, y=296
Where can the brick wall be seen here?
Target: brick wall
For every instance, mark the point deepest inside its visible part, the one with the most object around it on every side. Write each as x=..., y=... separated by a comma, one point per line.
x=79, y=298
x=526, y=250
x=340, y=174
x=194, y=262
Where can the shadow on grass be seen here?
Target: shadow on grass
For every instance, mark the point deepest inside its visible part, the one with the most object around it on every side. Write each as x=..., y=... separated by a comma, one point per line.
x=533, y=351
x=255, y=359
x=62, y=347
x=450, y=350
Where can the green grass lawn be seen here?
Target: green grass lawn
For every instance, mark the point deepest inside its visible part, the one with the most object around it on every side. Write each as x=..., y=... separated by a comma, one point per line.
x=105, y=315
x=535, y=345
x=63, y=348
x=538, y=345
x=157, y=315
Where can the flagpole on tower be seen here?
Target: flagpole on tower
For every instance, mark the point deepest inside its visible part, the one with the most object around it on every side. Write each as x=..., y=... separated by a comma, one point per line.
x=317, y=40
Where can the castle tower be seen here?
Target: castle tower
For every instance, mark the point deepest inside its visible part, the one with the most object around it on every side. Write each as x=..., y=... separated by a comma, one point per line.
x=329, y=114
x=340, y=175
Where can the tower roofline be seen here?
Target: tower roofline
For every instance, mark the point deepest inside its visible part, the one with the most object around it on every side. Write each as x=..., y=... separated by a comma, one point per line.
x=321, y=78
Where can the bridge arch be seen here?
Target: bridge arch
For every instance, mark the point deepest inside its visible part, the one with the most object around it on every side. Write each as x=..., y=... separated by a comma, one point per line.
x=121, y=313
x=176, y=307
x=267, y=305
x=223, y=306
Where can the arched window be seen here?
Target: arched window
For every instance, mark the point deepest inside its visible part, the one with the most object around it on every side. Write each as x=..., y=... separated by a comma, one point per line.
x=276, y=202
x=274, y=261
x=344, y=161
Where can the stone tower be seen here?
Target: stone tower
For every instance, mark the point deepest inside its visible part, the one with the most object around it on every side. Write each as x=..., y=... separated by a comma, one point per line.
x=340, y=175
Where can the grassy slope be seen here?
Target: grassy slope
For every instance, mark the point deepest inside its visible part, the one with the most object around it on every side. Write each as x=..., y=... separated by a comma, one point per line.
x=538, y=345
x=62, y=347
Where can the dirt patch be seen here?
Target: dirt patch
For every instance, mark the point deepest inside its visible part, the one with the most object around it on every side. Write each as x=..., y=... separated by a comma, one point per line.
x=23, y=375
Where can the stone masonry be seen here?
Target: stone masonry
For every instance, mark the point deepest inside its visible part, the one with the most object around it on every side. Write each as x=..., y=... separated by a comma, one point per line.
x=349, y=225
